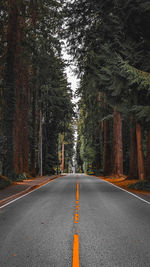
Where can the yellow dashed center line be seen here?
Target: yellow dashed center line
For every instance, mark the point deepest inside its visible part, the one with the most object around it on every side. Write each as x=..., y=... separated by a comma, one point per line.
x=75, y=260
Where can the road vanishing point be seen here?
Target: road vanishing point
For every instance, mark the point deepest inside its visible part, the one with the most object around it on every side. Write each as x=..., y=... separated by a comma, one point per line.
x=75, y=220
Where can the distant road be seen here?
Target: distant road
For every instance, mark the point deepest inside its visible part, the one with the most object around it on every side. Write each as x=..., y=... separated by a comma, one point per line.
x=43, y=229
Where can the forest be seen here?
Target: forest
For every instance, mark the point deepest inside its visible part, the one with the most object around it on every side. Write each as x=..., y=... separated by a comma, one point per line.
x=109, y=44
x=35, y=97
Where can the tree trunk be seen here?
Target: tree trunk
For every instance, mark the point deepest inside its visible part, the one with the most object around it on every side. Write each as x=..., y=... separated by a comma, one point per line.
x=34, y=91
x=133, y=164
x=141, y=171
x=148, y=155
x=41, y=145
x=97, y=162
x=63, y=157
x=22, y=100
x=34, y=131
x=9, y=93
x=117, y=144
x=107, y=149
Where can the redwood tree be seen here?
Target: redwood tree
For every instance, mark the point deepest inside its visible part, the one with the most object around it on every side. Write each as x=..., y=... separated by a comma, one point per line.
x=148, y=155
x=9, y=88
x=22, y=95
x=117, y=144
x=141, y=170
x=107, y=162
x=133, y=164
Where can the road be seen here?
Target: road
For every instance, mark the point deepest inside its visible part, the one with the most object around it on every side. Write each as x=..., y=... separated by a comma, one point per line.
x=113, y=226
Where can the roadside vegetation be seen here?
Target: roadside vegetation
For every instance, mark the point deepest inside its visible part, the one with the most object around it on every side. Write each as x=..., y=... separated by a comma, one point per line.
x=4, y=181
x=110, y=42
x=141, y=185
x=35, y=97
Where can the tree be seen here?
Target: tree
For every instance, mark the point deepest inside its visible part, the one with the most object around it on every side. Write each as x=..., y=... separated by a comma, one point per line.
x=33, y=82
x=109, y=42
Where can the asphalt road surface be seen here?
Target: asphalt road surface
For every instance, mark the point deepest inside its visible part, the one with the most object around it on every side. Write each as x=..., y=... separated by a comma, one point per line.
x=113, y=226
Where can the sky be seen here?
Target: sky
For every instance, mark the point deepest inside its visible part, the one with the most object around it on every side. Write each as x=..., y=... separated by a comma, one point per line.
x=73, y=80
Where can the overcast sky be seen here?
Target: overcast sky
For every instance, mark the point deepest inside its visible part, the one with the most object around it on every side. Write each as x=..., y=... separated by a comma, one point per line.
x=73, y=80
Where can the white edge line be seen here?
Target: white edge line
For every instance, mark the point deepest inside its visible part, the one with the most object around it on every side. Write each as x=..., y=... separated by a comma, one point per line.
x=124, y=190
x=3, y=206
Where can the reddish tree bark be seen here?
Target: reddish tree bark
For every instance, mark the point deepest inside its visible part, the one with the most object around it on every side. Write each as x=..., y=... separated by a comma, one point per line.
x=22, y=101
x=117, y=144
x=25, y=113
x=133, y=164
x=9, y=93
x=107, y=149
x=141, y=170
x=35, y=113
x=34, y=130
x=97, y=163
x=148, y=155
x=63, y=157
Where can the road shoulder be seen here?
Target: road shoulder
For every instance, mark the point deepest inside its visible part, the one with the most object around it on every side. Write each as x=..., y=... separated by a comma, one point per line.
x=19, y=189
x=123, y=183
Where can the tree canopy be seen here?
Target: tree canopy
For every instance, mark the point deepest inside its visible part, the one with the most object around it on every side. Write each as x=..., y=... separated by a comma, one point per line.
x=34, y=88
x=110, y=42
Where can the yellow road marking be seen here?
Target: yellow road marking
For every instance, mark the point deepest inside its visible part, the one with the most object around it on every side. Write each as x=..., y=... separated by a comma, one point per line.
x=75, y=260
x=77, y=195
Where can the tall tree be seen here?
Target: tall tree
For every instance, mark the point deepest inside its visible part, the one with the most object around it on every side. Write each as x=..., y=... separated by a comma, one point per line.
x=33, y=82
x=109, y=42
x=9, y=88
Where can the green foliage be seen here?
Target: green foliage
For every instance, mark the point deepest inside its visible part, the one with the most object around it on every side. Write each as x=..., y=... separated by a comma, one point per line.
x=20, y=177
x=110, y=41
x=4, y=182
x=142, y=185
x=42, y=83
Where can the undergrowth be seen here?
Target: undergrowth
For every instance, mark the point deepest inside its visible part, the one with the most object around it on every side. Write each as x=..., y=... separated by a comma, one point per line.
x=4, y=181
x=23, y=176
x=141, y=185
